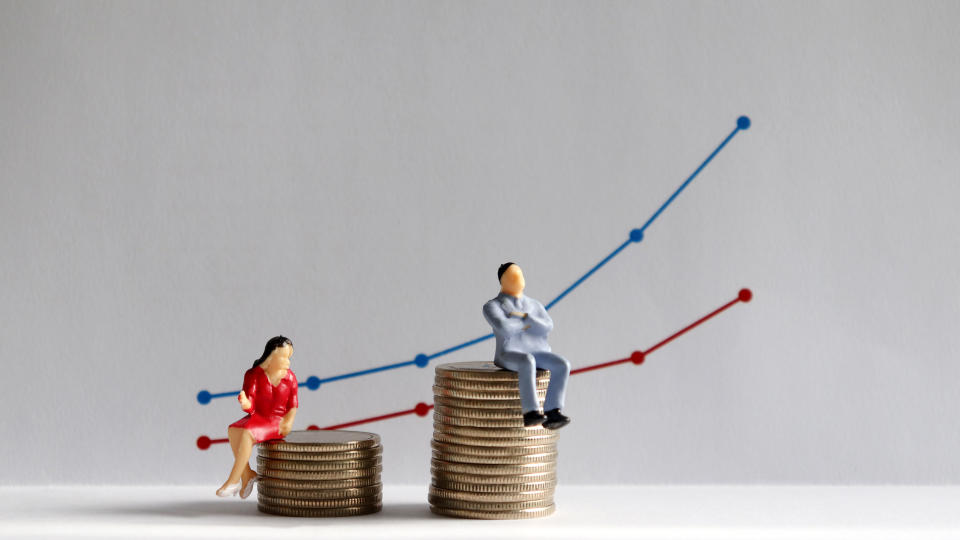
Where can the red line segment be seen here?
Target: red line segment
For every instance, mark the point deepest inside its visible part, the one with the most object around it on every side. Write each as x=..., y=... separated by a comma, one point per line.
x=420, y=410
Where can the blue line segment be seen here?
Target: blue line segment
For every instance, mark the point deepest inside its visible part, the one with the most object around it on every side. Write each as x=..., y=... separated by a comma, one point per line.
x=421, y=360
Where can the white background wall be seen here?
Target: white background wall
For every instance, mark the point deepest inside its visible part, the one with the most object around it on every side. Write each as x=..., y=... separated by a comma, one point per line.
x=182, y=181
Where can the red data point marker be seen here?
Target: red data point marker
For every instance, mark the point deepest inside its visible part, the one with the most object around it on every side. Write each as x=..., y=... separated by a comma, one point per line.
x=421, y=409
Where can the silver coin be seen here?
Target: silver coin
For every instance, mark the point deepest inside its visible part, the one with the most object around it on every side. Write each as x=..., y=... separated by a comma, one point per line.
x=504, y=406
x=321, y=494
x=513, y=414
x=313, y=466
x=482, y=394
x=485, y=371
x=318, y=475
x=301, y=484
x=489, y=506
x=343, y=455
x=493, y=488
x=473, y=514
x=496, y=386
x=496, y=479
x=496, y=423
x=318, y=512
x=322, y=440
x=492, y=469
x=504, y=433
x=286, y=502
x=545, y=457
x=515, y=496
x=530, y=440
x=549, y=446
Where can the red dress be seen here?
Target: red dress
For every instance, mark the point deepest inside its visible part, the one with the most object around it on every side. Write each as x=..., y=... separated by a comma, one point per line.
x=268, y=403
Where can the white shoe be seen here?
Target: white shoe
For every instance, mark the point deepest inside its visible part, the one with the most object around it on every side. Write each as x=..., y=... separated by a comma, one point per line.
x=229, y=491
x=248, y=489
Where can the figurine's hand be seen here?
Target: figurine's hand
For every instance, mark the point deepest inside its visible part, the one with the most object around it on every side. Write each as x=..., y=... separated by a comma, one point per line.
x=244, y=402
x=526, y=327
x=520, y=314
x=285, y=427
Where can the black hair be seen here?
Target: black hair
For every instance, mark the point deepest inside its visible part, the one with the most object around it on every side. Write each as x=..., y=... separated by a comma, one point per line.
x=274, y=343
x=502, y=269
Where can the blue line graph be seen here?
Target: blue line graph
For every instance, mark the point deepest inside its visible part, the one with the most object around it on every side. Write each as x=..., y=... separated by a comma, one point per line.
x=421, y=360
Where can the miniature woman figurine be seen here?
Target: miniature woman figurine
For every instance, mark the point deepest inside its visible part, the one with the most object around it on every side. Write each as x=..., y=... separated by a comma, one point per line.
x=521, y=325
x=269, y=396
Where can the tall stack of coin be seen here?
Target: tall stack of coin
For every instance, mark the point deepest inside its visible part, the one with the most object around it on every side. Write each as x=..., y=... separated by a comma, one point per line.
x=320, y=474
x=485, y=464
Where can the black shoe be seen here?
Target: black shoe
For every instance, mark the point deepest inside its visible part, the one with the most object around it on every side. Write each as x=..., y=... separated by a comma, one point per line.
x=533, y=418
x=555, y=420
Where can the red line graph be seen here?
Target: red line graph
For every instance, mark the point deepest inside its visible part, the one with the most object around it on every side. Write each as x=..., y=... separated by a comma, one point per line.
x=636, y=357
x=420, y=410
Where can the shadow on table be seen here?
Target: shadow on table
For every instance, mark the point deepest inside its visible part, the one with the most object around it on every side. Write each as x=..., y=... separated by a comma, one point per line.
x=245, y=512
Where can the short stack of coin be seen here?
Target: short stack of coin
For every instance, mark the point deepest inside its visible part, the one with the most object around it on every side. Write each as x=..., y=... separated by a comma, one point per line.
x=485, y=464
x=320, y=474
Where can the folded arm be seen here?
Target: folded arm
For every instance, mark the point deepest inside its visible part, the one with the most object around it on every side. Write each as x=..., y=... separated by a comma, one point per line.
x=539, y=319
x=501, y=323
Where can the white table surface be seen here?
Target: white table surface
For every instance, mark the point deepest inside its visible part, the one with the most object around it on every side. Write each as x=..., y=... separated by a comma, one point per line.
x=661, y=512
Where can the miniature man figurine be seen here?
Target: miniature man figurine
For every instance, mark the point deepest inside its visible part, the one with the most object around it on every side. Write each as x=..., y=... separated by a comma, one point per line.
x=269, y=397
x=521, y=325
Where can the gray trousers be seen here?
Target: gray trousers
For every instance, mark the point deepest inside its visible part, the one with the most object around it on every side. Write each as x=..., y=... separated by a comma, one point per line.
x=526, y=364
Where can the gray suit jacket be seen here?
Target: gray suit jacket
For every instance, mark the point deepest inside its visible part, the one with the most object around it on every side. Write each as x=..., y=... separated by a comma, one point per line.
x=511, y=337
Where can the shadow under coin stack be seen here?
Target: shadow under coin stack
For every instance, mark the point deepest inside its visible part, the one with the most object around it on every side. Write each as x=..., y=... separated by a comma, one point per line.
x=485, y=464
x=320, y=474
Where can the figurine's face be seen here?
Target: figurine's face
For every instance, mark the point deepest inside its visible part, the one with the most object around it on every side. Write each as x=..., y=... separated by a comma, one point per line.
x=512, y=280
x=279, y=359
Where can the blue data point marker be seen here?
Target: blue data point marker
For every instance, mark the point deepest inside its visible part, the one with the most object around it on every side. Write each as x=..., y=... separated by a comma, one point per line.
x=743, y=122
x=636, y=235
x=313, y=382
x=421, y=360
x=203, y=397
